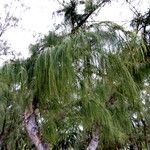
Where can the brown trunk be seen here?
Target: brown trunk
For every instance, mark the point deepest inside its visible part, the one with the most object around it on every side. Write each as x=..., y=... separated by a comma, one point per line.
x=32, y=128
x=145, y=133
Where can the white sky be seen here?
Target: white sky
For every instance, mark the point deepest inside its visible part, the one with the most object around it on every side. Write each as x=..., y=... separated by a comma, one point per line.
x=39, y=19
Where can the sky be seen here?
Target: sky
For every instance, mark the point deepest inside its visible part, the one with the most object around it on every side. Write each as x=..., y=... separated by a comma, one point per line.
x=37, y=18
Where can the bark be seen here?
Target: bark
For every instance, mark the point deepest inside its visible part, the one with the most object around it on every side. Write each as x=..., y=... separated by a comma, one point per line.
x=94, y=140
x=145, y=133
x=133, y=147
x=1, y=141
x=135, y=143
x=32, y=128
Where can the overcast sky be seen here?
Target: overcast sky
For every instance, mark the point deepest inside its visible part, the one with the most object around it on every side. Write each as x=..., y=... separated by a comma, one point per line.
x=39, y=19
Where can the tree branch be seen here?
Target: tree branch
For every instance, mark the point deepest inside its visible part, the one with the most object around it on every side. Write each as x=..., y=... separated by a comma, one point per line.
x=87, y=15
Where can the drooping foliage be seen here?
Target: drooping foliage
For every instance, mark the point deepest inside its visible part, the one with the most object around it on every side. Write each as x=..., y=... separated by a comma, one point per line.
x=85, y=79
x=92, y=81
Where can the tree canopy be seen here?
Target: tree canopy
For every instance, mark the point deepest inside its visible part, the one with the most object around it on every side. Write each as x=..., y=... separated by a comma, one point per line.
x=87, y=89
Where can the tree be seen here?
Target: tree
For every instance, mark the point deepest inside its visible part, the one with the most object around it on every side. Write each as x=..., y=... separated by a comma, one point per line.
x=82, y=81
x=10, y=129
x=7, y=20
x=141, y=24
x=12, y=134
x=75, y=19
x=79, y=90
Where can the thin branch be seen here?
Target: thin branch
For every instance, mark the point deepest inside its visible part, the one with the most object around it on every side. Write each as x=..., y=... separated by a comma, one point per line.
x=87, y=15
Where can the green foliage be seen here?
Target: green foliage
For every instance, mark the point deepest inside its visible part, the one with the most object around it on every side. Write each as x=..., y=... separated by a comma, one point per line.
x=82, y=73
x=80, y=80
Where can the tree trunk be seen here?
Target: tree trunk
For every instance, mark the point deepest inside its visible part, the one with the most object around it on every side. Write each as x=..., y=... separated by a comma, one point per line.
x=1, y=143
x=145, y=133
x=94, y=140
x=32, y=128
x=133, y=147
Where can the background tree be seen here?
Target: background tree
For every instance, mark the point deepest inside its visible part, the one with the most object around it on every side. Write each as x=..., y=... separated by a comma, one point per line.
x=11, y=133
x=7, y=20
